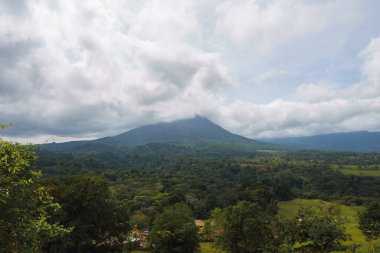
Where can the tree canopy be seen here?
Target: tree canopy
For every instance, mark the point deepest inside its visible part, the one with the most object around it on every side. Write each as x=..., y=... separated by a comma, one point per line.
x=369, y=220
x=244, y=228
x=174, y=231
x=100, y=224
x=25, y=205
x=322, y=226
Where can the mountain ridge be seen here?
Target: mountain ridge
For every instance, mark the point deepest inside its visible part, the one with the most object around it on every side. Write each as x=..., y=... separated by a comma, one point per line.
x=196, y=131
x=193, y=128
x=358, y=141
x=199, y=132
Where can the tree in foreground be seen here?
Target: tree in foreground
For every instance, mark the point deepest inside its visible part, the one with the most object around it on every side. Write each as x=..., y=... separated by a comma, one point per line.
x=369, y=221
x=24, y=205
x=100, y=224
x=245, y=228
x=174, y=231
x=322, y=227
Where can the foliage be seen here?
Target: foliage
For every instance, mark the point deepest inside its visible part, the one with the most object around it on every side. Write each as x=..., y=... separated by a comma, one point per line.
x=146, y=180
x=3, y=126
x=321, y=226
x=25, y=205
x=282, y=176
x=372, y=247
x=349, y=214
x=174, y=230
x=245, y=227
x=100, y=223
x=369, y=221
x=207, y=247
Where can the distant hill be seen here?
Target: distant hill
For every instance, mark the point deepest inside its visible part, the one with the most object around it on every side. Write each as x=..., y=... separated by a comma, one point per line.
x=194, y=129
x=196, y=132
x=352, y=141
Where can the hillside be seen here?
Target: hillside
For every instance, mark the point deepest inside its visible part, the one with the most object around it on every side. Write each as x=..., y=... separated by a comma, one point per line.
x=351, y=141
x=195, y=132
x=197, y=128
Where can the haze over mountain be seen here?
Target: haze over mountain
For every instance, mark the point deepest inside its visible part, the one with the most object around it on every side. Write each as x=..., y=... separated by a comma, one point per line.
x=194, y=131
x=201, y=132
x=362, y=141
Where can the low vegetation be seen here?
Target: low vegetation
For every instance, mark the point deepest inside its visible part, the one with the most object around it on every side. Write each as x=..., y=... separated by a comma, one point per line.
x=147, y=197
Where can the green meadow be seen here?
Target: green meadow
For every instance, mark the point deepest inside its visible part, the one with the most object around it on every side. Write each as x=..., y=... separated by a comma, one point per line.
x=206, y=247
x=357, y=170
x=288, y=209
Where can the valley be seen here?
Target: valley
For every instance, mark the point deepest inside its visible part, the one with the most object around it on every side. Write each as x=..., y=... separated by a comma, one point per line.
x=142, y=190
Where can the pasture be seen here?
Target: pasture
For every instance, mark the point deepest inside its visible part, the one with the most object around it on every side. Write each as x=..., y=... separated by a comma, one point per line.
x=288, y=209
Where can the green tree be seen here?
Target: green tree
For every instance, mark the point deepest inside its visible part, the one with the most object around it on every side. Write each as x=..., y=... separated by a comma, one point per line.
x=369, y=221
x=245, y=228
x=25, y=205
x=321, y=226
x=3, y=126
x=174, y=231
x=140, y=220
x=100, y=223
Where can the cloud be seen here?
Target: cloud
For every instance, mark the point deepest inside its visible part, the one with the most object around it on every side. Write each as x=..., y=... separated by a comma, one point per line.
x=315, y=92
x=282, y=118
x=13, y=7
x=83, y=73
x=267, y=25
x=263, y=78
x=318, y=108
x=86, y=69
x=371, y=68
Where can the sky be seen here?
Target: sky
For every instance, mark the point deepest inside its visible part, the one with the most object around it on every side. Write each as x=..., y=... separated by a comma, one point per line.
x=73, y=70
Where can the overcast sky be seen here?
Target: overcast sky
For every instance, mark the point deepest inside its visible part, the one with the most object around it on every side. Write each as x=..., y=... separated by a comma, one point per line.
x=74, y=69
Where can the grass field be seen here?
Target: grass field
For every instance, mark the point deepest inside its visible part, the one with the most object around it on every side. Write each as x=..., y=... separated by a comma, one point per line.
x=372, y=170
x=207, y=247
x=349, y=213
x=288, y=209
x=372, y=173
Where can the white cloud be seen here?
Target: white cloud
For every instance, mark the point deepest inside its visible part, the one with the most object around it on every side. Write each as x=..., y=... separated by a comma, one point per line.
x=371, y=68
x=85, y=69
x=272, y=74
x=315, y=92
x=281, y=118
x=86, y=72
x=318, y=108
x=267, y=25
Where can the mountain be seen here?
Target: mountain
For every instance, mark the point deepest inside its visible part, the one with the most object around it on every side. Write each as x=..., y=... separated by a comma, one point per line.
x=201, y=133
x=197, y=131
x=351, y=141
